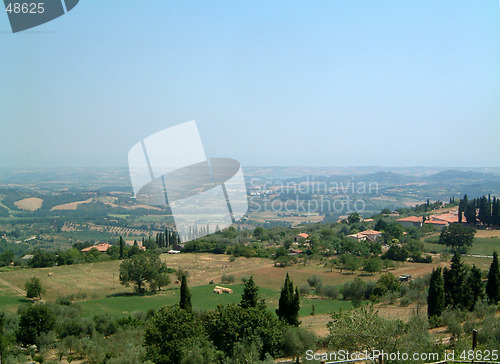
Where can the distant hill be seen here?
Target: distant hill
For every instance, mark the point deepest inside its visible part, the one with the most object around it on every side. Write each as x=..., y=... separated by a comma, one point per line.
x=452, y=176
x=301, y=171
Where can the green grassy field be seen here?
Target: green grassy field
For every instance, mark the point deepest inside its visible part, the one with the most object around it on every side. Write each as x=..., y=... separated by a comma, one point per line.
x=436, y=248
x=11, y=303
x=121, y=216
x=485, y=246
x=202, y=297
x=480, y=246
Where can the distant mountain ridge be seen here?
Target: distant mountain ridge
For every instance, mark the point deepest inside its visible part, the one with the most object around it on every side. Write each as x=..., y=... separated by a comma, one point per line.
x=300, y=171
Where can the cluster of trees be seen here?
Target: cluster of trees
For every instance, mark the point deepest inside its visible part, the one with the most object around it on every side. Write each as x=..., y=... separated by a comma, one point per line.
x=461, y=287
x=244, y=332
x=363, y=329
x=372, y=261
x=48, y=258
x=429, y=206
x=413, y=249
x=60, y=328
x=386, y=288
x=483, y=209
x=165, y=239
x=7, y=257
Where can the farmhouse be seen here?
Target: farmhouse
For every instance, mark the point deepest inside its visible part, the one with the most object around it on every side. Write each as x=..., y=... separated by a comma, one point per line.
x=440, y=224
x=366, y=235
x=294, y=251
x=372, y=234
x=357, y=236
x=411, y=221
x=301, y=236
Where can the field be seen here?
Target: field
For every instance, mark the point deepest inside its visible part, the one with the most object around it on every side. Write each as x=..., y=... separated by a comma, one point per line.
x=202, y=297
x=29, y=204
x=485, y=243
x=99, y=285
x=97, y=288
x=487, y=233
x=482, y=245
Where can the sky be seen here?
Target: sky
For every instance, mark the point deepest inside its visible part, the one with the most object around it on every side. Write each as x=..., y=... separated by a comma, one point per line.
x=323, y=83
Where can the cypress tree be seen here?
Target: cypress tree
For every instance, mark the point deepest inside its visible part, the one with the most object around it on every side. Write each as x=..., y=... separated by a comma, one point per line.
x=454, y=283
x=484, y=211
x=470, y=213
x=289, y=304
x=122, y=243
x=435, y=298
x=250, y=295
x=493, y=285
x=285, y=299
x=475, y=286
x=495, y=212
x=185, y=301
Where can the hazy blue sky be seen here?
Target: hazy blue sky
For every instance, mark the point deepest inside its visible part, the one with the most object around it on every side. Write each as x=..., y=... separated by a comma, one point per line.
x=320, y=83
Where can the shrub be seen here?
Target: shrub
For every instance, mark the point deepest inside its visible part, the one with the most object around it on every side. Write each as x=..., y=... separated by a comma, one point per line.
x=452, y=320
x=405, y=301
x=63, y=301
x=314, y=281
x=355, y=291
x=296, y=341
x=304, y=290
x=104, y=324
x=33, y=288
x=330, y=291
x=435, y=321
x=227, y=278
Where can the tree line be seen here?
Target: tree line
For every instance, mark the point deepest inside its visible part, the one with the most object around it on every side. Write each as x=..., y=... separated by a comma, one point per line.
x=484, y=210
x=461, y=287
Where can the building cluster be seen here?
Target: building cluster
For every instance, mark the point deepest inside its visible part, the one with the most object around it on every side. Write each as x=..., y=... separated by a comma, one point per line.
x=439, y=221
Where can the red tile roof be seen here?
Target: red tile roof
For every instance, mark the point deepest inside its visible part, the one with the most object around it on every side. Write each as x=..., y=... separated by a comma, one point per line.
x=303, y=235
x=450, y=218
x=411, y=219
x=370, y=232
x=436, y=222
x=100, y=247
